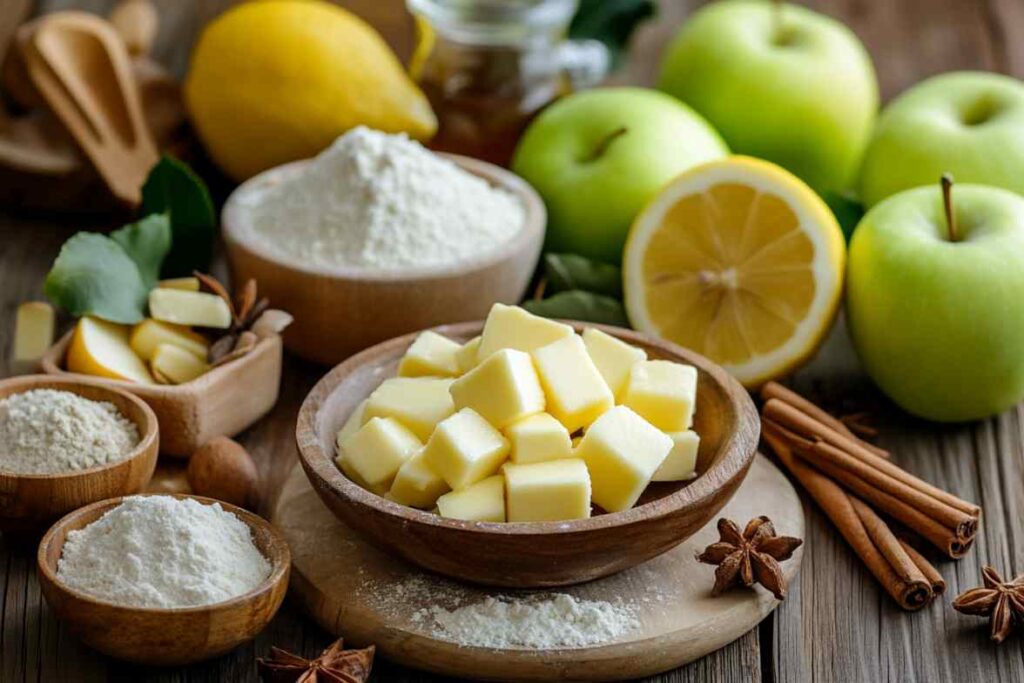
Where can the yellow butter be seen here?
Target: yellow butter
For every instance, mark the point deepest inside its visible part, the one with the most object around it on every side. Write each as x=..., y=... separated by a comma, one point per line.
x=188, y=284
x=503, y=388
x=33, y=331
x=419, y=403
x=613, y=357
x=417, y=484
x=538, y=438
x=622, y=452
x=431, y=355
x=466, y=356
x=352, y=424
x=465, y=448
x=663, y=393
x=377, y=451
x=182, y=307
x=681, y=461
x=511, y=327
x=101, y=348
x=547, y=491
x=149, y=334
x=484, y=501
x=176, y=365
x=574, y=391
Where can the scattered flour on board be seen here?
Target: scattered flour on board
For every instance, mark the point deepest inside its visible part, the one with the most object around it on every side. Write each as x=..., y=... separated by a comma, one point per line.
x=376, y=200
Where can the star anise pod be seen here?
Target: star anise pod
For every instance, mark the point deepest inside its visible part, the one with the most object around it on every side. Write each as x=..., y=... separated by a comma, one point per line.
x=246, y=310
x=334, y=665
x=1001, y=601
x=750, y=556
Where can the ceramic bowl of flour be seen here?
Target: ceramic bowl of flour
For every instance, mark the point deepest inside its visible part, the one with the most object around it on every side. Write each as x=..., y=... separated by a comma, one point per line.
x=30, y=502
x=342, y=309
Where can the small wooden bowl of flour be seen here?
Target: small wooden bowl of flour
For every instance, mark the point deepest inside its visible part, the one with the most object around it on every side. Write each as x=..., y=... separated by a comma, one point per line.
x=29, y=501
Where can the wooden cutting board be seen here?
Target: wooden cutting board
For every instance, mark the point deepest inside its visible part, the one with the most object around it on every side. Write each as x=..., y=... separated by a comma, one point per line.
x=360, y=593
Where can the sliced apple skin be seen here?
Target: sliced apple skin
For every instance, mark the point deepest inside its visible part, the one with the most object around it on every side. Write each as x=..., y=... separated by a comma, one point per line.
x=100, y=348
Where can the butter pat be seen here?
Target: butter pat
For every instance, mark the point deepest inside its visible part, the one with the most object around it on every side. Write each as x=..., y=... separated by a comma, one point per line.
x=613, y=357
x=466, y=356
x=377, y=451
x=465, y=449
x=481, y=502
x=419, y=403
x=431, y=355
x=182, y=307
x=538, y=438
x=417, y=484
x=187, y=284
x=511, y=327
x=622, y=452
x=547, y=491
x=352, y=424
x=681, y=461
x=663, y=393
x=574, y=390
x=503, y=388
x=149, y=334
x=33, y=331
x=175, y=365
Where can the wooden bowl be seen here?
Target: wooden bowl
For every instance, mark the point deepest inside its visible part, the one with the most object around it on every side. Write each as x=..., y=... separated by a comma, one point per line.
x=536, y=554
x=340, y=311
x=164, y=636
x=30, y=502
x=221, y=402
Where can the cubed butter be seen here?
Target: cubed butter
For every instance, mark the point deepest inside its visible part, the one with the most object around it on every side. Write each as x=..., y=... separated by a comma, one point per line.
x=417, y=484
x=465, y=448
x=484, y=501
x=182, y=307
x=511, y=327
x=681, y=461
x=467, y=356
x=547, y=491
x=377, y=451
x=431, y=355
x=663, y=393
x=574, y=391
x=419, y=403
x=188, y=284
x=149, y=334
x=613, y=357
x=175, y=365
x=33, y=331
x=538, y=438
x=622, y=452
x=503, y=388
x=352, y=424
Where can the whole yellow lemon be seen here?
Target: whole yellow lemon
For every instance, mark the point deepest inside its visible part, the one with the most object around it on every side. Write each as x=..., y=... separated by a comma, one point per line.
x=279, y=80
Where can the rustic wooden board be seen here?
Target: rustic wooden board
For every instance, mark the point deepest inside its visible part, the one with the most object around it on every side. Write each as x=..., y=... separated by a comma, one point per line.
x=367, y=596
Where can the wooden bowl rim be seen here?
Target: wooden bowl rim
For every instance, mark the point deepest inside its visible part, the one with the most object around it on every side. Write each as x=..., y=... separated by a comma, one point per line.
x=279, y=567
x=148, y=431
x=738, y=453
x=236, y=234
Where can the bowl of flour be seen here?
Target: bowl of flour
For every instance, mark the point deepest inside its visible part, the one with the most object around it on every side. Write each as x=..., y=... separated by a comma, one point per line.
x=378, y=236
x=65, y=443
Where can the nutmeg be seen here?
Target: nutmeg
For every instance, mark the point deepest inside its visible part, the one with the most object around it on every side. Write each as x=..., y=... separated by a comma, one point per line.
x=222, y=469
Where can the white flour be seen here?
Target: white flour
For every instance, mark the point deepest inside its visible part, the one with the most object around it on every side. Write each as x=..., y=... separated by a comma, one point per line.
x=158, y=551
x=375, y=200
x=44, y=431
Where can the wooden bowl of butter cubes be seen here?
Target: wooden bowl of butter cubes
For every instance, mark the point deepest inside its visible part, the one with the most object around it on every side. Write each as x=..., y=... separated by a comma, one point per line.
x=525, y=452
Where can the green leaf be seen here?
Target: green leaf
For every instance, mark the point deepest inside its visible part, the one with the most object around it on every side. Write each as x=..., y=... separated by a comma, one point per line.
x=93, y=275
x=147, y=243
x=847, y=210
x=569, y=271
x=610, y=21
x=173, y=188
x=580, y=305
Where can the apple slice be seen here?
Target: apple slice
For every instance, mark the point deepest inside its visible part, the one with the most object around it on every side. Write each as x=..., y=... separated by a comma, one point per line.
x=101, y=348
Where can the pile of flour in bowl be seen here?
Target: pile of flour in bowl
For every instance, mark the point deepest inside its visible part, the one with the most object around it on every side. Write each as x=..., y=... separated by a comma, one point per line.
x=381, y=201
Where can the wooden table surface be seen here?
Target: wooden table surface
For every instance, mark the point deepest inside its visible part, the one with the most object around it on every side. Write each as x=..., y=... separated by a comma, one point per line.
x=836, y=624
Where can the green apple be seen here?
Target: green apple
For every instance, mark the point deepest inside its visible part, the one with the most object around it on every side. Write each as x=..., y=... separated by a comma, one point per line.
x=938, y=320
x=969, y=124
x=782, y=83
x=597, y=158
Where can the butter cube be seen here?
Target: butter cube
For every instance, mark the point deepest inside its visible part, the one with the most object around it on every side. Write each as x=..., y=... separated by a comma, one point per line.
x=417, y=484
x=377, y=451
x=511, y=327
x=175, y=365
x=33, y=332
x=149, y=334
x=663, y=393
x=503, y=388
x=538, y=438
x=574, y=390
x=182, y=307
x=419, y=403
x=681, y=461
x=466, y=356
x=352, y=424
x=465, y=449
x=188, y=284
x=547, y=491
x=484, y=501
x=431, y=355
x=622, y=452
x=613, y=357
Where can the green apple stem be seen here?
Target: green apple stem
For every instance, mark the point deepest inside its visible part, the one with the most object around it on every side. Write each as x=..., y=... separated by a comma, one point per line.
x=602, y=146
x=947, y=201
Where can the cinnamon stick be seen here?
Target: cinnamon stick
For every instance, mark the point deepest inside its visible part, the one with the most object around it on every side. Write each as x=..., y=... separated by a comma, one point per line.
x=931, y=574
